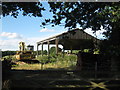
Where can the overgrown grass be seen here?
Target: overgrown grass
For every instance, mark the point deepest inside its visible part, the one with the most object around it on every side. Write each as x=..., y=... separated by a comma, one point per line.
x=26, y=66
x=57, y=62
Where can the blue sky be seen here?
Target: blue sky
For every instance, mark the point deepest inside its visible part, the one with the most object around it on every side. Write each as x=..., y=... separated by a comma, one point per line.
x=27, y=29
x=25, y=25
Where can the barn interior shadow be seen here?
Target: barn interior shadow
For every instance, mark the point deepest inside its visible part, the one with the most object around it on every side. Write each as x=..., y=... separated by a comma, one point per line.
x=30, y=61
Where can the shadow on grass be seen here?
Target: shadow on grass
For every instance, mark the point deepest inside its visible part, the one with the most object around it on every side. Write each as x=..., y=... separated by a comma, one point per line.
x=30, y=61
x=57, y=78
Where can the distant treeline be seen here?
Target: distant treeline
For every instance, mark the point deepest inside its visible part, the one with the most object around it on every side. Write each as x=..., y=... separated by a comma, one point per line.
x=52, y=51
x=6, y=53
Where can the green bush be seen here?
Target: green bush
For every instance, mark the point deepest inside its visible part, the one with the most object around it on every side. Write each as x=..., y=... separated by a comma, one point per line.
x=45, y=59
x=10, y=57
x=7, y=57
x=42, y=59
x=60, y=61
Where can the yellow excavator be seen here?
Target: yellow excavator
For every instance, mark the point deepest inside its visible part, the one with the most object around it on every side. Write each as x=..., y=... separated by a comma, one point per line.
x=25, y=53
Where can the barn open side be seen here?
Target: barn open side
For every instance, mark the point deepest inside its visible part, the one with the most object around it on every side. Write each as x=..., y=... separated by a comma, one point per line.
x=75, y=39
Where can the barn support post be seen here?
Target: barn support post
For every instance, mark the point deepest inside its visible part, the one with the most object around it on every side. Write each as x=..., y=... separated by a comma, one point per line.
x=56, y=42
x=41, y=49
x=48, y=48
x=37, y=49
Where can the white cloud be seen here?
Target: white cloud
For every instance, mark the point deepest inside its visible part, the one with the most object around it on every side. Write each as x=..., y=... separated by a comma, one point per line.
x=10, y=35
x=12, y=43
x=46, y=30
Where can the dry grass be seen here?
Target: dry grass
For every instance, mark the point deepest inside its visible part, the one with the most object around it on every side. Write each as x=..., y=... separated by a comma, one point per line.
x=56, y=65
x=68, y=62
x=59, y=65
x=27, y=67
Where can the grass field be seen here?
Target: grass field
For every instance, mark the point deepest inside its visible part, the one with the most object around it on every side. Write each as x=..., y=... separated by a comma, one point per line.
x=68, y=62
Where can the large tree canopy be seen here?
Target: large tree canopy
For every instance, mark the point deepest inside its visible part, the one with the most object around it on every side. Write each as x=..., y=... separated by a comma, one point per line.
x=87, y=15
x=70, y=14
x=27, y=8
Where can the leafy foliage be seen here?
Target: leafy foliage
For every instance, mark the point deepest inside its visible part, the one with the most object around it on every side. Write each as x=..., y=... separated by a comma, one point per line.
x=28, y=8
x=43, y=59
x=39, y=51
x=58, y=61
x=86, y=14
x=9, y=57
x=53, y=50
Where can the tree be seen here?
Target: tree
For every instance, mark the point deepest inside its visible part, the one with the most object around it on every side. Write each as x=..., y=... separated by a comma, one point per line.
x=87, y=15
x=53, y=50
x=14, y=8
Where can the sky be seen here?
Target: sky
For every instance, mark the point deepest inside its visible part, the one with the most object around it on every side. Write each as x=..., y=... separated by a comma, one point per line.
x=28, y=30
